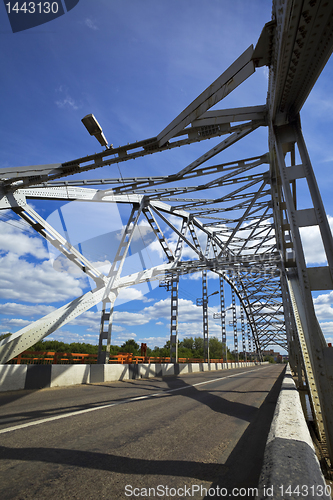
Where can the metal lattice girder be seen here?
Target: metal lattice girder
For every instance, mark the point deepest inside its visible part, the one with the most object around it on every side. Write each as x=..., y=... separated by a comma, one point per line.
x=133, y=184
x=311, y=341
x=16, y=178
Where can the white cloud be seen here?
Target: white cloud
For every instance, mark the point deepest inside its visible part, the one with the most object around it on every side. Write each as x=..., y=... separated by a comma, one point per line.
x=69, y=337
x=327, y=328
x=67, y=102
x=312, y=243
x=187, y=311
x=323, y=306
x=29, y=282
x=12, y=308
x=9, y=324
x=131, y=293
x=12, y=240
x=124, y=336
x=194, y=329
x=156, y=341
x=91, y=24
x=90, y=319
x=128, y=318
x=325, y=298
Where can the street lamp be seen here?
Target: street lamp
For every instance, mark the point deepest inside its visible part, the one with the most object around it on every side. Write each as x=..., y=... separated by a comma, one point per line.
x=94, y=128
x=200, y=301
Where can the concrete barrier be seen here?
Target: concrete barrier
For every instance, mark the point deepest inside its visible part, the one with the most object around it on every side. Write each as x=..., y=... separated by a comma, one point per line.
x=290, y=468
x=62, y=375
x=14, y=377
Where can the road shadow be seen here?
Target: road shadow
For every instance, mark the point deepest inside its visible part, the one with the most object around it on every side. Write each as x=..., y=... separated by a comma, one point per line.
x=243, y=467
x=173, y=383
x=240, y=470
x=218, y=403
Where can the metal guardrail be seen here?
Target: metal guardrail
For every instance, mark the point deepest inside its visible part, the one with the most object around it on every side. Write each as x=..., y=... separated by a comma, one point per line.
x=52, y=357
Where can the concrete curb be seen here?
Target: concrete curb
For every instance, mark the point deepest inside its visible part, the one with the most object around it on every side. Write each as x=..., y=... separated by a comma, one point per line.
x=290, y=458
x=15, y=377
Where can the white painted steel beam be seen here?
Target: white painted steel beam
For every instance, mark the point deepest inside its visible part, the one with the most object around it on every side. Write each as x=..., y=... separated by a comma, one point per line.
x=239, y=71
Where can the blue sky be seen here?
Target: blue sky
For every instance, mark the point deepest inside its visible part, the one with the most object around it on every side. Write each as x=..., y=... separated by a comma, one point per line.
x=135, y=65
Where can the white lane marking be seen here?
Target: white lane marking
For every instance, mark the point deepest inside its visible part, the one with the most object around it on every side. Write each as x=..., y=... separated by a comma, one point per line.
x=148, y=396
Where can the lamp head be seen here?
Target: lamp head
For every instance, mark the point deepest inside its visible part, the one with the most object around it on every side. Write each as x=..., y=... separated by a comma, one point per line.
x=94, y=128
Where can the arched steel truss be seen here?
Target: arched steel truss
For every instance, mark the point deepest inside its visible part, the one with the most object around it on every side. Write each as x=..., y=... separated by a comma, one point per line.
x=247, y=231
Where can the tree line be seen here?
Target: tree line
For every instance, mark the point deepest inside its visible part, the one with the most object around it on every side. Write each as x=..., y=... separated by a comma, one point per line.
x=190, y=347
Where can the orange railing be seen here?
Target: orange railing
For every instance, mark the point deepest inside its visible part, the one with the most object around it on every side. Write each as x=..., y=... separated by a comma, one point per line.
x=51, y=357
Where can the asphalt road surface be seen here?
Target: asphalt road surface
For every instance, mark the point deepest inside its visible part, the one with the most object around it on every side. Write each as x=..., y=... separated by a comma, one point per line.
x=194, y=436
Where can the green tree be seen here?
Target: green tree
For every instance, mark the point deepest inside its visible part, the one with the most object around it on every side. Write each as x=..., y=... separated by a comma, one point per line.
x=83, y=348
x=114, y=349
x=130, y=346
x=216, y=350
x=164, y=352
x=198, y=347
x=187, y=343
x=50, y=345
x=270, y=359
x=4, y=336
x=184, y=352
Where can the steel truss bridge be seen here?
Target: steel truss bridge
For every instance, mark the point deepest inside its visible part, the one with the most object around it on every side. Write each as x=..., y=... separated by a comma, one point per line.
x=248, y=232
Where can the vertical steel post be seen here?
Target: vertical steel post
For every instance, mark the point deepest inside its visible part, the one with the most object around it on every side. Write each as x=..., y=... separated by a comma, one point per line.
x=111, y=291
x=249, y=339
x=205, y=306
x=317, y=357
x=174, y=321
x=223, y=328
x=243, y=332
x=205, y=315
x=174, y=297
x=234, y=322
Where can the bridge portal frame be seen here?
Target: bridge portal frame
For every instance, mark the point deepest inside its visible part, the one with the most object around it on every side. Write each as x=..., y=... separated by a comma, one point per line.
x=295, y=45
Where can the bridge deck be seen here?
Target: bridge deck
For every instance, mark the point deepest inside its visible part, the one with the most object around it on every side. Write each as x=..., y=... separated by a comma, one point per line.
x=206, y=429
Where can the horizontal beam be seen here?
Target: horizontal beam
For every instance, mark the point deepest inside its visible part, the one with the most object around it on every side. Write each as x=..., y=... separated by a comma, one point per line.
x=239, y=71
x=231, y=115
